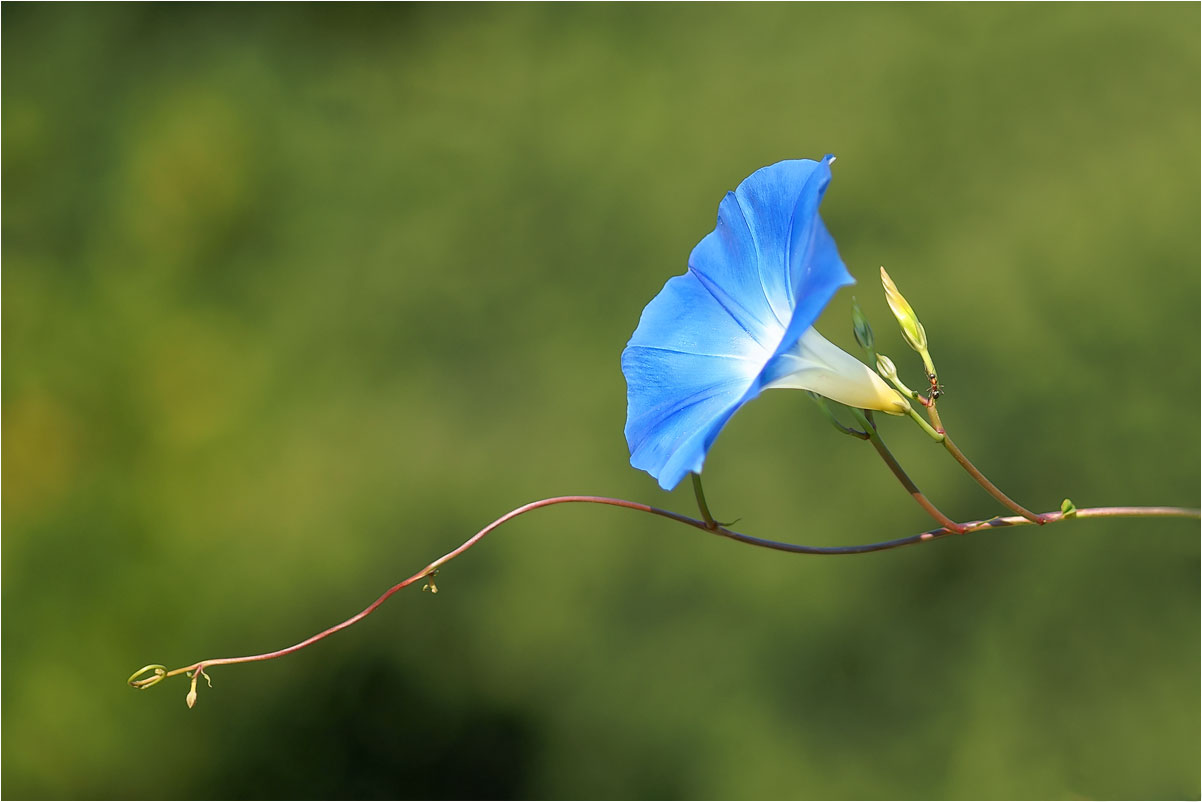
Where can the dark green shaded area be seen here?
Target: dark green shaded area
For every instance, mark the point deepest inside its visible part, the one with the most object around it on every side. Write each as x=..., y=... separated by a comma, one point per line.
x=297, y=298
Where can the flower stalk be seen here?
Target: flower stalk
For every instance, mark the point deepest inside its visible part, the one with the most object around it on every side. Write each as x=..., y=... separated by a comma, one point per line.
x=916, y=337
x=830, y=415
x=990, y=487
x=874, y=437
x=699, y=492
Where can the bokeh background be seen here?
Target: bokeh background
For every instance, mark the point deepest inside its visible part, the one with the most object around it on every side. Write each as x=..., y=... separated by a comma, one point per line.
x=297, y=298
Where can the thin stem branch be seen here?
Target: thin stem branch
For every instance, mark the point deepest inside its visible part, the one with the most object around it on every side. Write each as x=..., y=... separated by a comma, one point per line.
x=198, y=668
x=874, y=437
x=710, y=523
x=935, y=434
x=830, y=415
x=933, y=414
x=989, y=486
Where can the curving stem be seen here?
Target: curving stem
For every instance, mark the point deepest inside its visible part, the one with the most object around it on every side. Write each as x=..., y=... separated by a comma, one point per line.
x=195, y=670
x=710, y=523
x=989, y=486
x=874, y=437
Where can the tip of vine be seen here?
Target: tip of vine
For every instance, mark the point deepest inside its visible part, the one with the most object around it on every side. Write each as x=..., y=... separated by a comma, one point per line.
x=137, y=680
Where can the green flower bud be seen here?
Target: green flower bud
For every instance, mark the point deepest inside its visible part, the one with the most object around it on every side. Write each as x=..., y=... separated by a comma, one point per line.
x=860, y=326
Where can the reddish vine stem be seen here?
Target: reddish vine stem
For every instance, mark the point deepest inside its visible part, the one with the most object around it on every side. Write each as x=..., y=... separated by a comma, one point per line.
x=989, y=486
x=973, y=471
x=913, y=490
x=197, y=669
x=874, y=437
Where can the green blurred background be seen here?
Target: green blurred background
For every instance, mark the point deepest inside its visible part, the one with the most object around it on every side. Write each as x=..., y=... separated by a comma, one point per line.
x=297, y=298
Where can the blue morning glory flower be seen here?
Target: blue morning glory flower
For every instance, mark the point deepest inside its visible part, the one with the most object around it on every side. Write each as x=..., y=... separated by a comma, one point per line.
x=741, y=321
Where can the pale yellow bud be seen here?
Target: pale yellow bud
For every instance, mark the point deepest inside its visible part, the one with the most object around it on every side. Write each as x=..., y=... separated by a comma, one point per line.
x=912, y=330
x=885, y=367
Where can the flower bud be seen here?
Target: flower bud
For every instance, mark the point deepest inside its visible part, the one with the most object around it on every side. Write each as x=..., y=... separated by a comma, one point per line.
x=912, y=330
x=885, y=367
x=860, y=325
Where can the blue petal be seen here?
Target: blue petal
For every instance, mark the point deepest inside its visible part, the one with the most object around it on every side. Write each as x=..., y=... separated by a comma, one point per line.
x=686, y=400
x=816, y=271
x=754, y=285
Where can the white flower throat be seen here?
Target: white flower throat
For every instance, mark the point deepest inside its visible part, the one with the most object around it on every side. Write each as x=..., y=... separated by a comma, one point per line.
x=817, y=364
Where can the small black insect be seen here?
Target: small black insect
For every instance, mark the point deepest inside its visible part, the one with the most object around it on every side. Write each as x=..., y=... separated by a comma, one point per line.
x=936, y=387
